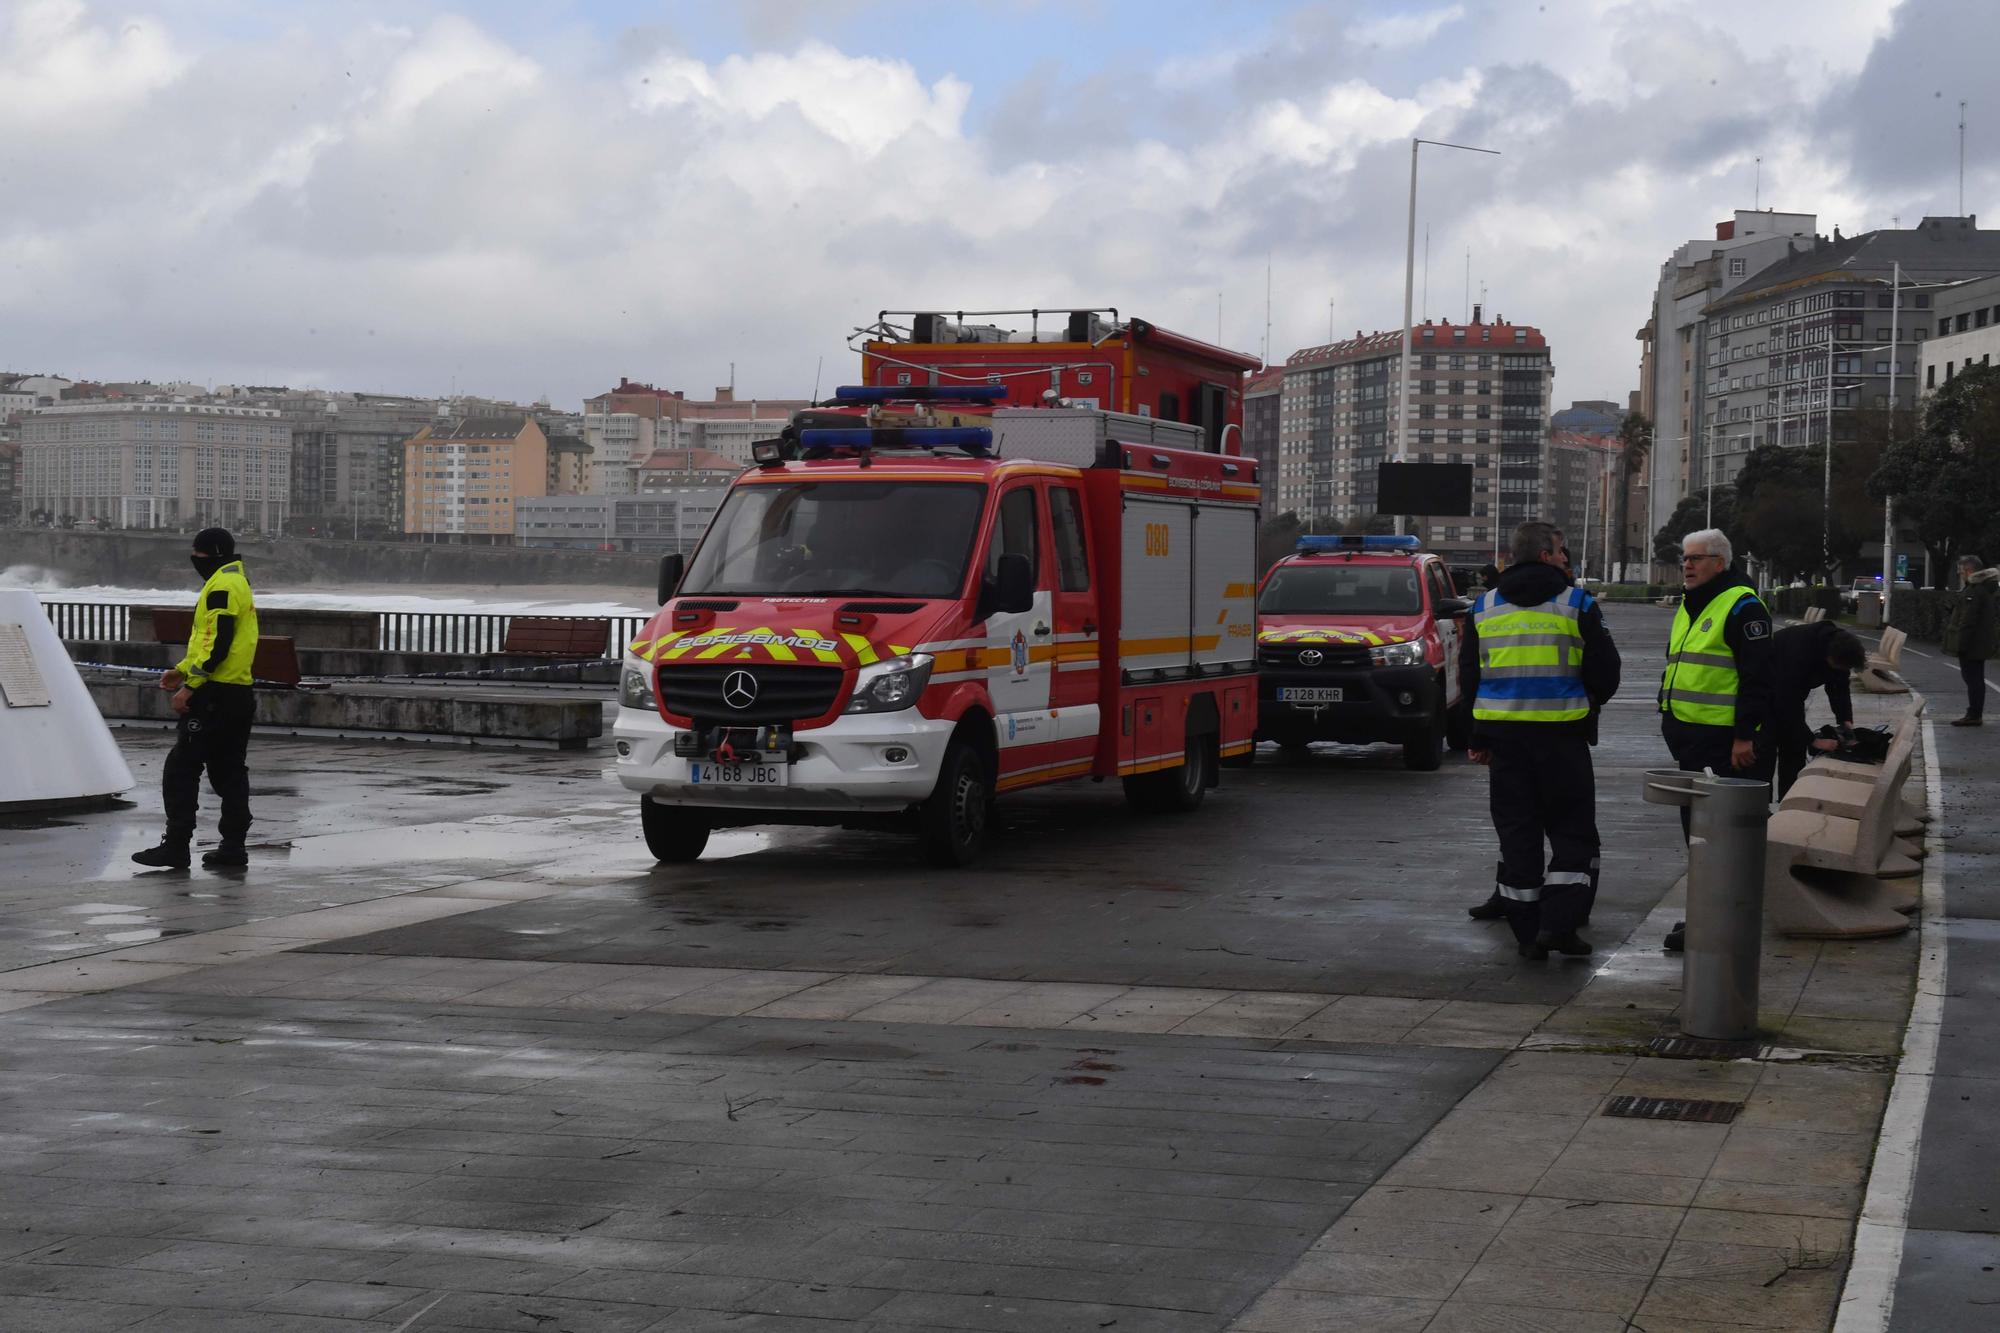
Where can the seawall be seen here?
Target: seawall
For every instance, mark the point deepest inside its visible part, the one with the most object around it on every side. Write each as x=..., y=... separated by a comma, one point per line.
x=160, y=560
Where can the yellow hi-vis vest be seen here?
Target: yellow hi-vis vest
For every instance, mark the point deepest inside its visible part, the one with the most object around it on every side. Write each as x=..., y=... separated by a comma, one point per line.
x=227, y=593
x=1531, y=659
x=1701, y=681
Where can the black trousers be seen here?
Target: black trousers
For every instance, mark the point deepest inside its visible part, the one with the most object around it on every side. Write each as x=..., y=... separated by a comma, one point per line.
x=1794, y=748
x=214, y=735
x=1696, y=747
x=1972, y=670
x=1544, y=790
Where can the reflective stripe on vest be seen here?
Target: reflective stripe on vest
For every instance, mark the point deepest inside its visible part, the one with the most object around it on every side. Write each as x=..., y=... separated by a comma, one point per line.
x=1531, y=659
x=1700, y=681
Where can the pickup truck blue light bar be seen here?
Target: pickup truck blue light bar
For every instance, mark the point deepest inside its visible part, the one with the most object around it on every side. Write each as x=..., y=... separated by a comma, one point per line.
x=1323, y=545
x=971, y=439
x=920, y=393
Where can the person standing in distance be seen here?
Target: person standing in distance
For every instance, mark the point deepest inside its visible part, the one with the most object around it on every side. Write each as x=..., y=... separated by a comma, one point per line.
x=1715, y=694
x=1805, y=658
x=212, y=694
x=1972, y=635
x=1536, y=660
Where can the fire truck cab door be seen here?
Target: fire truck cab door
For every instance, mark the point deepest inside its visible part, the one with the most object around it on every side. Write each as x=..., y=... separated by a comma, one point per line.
x=1020, y=645
x=1074, y=677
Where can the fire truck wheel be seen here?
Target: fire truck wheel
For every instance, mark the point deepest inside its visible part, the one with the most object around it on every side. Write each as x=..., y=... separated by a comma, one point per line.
x=954, y=821
x=673, y=833
x=1175, y=790
x=1424, y=751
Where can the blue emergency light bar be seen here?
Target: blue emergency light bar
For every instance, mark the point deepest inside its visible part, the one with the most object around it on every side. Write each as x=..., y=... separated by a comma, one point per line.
x=920, y=393
x=1328, y=544
x=970, y=439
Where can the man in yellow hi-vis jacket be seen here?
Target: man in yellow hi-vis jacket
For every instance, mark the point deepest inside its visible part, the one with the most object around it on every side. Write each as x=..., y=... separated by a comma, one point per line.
x=212, y=694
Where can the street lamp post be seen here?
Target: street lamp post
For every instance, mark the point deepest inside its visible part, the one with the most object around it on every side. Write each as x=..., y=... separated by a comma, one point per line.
x=1889, y=501
x=1409, y=299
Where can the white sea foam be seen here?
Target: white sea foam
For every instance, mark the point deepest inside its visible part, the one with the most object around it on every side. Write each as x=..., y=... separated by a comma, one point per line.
x=520, y=600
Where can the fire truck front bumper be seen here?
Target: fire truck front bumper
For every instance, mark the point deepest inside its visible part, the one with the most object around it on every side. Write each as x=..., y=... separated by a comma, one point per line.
x=863, y=763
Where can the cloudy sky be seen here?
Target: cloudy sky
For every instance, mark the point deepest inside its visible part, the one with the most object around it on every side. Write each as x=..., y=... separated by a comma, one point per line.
x=531, y=197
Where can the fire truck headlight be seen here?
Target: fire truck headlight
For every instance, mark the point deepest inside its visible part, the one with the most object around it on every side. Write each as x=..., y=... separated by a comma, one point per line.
x=634, y=690
x=891, y=685
x=1397, y=654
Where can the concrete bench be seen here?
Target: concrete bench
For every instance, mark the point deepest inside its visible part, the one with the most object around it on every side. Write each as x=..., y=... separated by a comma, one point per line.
x=487, y=716
x=1815, y=614
x=1879, y=675
x=556, y=636
x=1835, y=865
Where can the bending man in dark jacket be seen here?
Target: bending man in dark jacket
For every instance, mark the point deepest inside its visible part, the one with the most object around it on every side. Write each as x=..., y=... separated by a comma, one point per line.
x=1805, y=658
x=1536, y=661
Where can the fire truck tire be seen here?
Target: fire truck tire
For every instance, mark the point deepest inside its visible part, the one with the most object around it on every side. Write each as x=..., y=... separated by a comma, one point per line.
x=953, y=823
x=1175, y=790
x=1424, y=751
x=673, y=833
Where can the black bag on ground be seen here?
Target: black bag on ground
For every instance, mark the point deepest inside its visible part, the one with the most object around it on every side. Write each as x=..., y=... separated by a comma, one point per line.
x=1863, y=745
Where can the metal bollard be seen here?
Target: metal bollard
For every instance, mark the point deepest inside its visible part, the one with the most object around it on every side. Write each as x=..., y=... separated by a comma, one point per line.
x=1725, y=898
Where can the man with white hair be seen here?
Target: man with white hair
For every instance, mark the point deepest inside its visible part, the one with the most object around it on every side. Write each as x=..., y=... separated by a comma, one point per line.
x=1715, y=695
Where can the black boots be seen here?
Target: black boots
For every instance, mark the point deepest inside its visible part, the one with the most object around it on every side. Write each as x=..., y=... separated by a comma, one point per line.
x=228, y=854
x=1969, y=720
x=166, y=856
x=1493, y=909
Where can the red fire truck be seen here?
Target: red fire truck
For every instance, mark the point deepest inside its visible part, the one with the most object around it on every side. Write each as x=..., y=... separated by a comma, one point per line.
x=1090, y=357
x=895, y=616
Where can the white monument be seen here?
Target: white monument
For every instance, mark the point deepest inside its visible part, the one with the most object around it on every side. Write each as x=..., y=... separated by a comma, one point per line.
x=54, y=747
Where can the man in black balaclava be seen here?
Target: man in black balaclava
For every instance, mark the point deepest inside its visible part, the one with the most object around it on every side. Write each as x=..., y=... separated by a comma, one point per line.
x=212, y=693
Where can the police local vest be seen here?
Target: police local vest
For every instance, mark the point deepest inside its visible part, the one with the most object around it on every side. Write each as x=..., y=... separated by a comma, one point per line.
x=1701, y=681
x=227, y=593
x=1531, y=659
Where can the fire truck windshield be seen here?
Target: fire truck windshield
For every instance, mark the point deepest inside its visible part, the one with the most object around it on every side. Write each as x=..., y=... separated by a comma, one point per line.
x=1341, y=590
x=839, y=539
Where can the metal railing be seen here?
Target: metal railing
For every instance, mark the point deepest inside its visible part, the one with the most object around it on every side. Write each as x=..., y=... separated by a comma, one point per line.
x=472, y=633
x=90, y=620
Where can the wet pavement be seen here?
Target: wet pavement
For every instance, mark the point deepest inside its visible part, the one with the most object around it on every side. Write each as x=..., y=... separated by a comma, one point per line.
x=463, y=1057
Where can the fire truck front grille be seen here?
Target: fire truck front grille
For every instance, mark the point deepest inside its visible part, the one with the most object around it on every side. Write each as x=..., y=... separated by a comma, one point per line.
x=1330, y=655
x=726, y=693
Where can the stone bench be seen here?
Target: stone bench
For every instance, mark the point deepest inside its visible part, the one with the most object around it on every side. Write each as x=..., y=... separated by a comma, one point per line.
x=1879, y=674
x=1836, y=864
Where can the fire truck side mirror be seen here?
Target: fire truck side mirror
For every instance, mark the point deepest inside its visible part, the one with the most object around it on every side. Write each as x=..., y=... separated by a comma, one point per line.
x=671, y=567
x=1011, y=589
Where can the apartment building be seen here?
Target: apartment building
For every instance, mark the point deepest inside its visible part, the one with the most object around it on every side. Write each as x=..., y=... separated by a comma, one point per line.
x=347, y=459
x=158, y=464
x=1479, y=395
x=660, y=522
x=1967, y=331
x=627, y=425
x=1675, y=348
x=1263, y=403
x=461, y=480
x=1793, y=355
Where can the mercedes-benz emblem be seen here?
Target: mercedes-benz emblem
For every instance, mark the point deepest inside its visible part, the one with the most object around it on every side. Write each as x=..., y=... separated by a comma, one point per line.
x=739, y=689
x=1310, y=657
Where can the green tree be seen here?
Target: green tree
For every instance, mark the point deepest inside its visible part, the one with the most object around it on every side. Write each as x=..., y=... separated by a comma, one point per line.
x=1781, y=512
x=1276, y=538
x=1945, y=475
x=1691, y=515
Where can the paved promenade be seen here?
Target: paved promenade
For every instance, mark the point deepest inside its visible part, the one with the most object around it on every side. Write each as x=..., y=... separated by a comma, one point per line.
x=454, y=1054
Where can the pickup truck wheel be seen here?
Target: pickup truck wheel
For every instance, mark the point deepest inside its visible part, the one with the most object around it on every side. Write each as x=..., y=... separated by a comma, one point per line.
x=1424, y=752
x=1175, y=790
x=954, y=821
x=673, y=833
